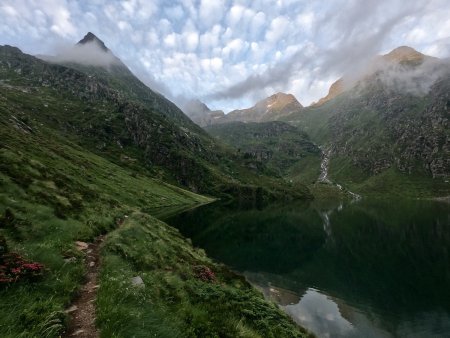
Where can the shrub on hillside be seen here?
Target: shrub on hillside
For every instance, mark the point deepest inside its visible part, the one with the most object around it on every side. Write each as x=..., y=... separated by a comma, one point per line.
x=14, y=267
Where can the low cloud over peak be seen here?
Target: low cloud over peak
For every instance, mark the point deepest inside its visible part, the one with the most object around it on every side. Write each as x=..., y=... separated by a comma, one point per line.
x=230, y=53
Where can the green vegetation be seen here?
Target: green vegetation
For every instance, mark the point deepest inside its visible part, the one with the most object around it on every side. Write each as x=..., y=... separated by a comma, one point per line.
x=306, y=171
x=60, y=193
x=390, y=181
x=71, y=169
x=250, y=239
x=276, y=148
x=143, y=131
x=384, y=140
x=175, y=301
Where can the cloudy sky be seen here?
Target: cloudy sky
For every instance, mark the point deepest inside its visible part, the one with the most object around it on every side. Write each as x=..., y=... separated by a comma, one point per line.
x=230, y=53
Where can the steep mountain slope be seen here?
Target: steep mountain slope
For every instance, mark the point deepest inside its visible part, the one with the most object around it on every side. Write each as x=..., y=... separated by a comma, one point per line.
x=399, y=55
x=390, y=131
x=284, y=149
x=91, y=56
x=201, y=114
x=79, y=158
x=270, y=109
x=54, y=193
x=129, y=130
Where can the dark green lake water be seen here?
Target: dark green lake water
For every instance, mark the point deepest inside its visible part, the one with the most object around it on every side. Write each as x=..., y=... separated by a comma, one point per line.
x=365, y=269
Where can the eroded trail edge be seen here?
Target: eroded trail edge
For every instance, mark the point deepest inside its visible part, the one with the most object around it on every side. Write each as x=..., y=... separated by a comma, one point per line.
x=82, y=311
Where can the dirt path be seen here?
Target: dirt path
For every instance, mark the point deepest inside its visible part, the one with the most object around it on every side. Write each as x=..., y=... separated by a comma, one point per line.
x=82, y=311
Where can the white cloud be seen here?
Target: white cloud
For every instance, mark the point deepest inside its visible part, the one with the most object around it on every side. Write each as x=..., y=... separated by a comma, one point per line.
x=170, y=40
x=129, y=7
x=191, y=40
x=235, y=14
x=246, y=48
x=234, y=47
x=59, y=14
x=175, y=12
x=88, y=54
x=306, y=20
x=214, y=64
x=257, y=24
x=210, y=39
x=152, y=38
x=9, y=11
x=147, y=9
x=211, y=12
x=278, y=29
x=123, y=25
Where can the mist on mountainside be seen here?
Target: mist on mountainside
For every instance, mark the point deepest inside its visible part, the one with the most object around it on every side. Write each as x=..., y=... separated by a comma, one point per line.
x=88, y=54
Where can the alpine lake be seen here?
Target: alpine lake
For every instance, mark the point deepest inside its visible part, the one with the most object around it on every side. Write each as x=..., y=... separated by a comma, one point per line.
x=362, y=268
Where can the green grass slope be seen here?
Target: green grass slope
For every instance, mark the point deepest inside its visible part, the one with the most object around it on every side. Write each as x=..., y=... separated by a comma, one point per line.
x=281, y=148
x=176, y=300
x=54, y=192
x=380, y=132
x=129, y=130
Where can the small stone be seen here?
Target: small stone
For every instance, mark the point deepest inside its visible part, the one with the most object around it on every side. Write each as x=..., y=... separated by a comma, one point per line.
x=70, y=260
x=137, y=281
x=78, y=332
x=71, y=309
x=81, y=245
x=91, y=264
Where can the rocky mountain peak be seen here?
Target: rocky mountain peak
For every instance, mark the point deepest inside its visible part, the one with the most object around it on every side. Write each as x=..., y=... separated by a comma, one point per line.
x=195, y=106
x=268, y=109
x=404, y=53
x=92, y=38
x=200, y=113
x=336, y=88
x=89, y=51
x=280, y=99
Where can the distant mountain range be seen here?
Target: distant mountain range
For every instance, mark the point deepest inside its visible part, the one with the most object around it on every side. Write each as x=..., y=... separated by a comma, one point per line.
x=399, y=55
x=109, y=111
x=388, y=122
x=201, y=114
x=388, y=128
x=269, y=109
x=89, y=157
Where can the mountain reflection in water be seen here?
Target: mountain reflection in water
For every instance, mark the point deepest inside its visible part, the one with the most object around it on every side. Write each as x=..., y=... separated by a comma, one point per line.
x=375, y=268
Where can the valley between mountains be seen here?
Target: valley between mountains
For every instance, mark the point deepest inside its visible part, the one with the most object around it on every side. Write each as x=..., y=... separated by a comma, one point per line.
x=386, y=129
x=91, y=159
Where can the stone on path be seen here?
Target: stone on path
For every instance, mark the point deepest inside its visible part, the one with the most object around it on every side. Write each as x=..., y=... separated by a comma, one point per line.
x=137, y=281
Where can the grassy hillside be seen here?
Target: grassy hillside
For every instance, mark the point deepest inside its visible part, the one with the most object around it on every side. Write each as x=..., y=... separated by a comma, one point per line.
x=281, y=148
x=381, y=133
x=54, y=192
x=148, y=133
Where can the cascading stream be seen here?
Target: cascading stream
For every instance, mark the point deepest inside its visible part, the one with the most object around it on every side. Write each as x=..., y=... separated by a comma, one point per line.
x=323, y=177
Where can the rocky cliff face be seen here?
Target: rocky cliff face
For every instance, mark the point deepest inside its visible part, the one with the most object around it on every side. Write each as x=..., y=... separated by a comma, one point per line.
x=276, y=144
x=132, y=123
x=336, y=88
x=269, y=109
x=398, y=56
x=113, y=119
x=405, y=132
x=396, y=118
